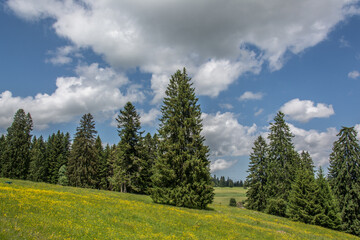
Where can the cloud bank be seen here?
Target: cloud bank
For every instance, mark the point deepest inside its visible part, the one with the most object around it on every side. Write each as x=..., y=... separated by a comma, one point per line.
x=94, y=89
x=217, y=41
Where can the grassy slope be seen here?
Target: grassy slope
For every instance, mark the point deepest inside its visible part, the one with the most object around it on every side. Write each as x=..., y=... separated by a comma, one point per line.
x=41, y=211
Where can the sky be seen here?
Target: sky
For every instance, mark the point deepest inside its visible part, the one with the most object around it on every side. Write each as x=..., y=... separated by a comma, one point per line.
x=249, y=59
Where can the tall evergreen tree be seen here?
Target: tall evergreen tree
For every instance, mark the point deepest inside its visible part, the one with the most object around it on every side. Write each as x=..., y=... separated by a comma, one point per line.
x=81, y=167
x=2, y=150
x=257, y=178
x=129, y=167
x=306, y=162
x=302, y=204
x=283, y=162
x=328, y=214
x=18, y=141
x=344, y=176
x=57, y=151
x=182, y=172
x=112, y=153
x=150, y=145
x=38, y=163
x=102, y=167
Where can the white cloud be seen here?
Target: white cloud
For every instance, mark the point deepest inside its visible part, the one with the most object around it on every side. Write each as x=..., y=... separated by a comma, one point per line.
x=62, y=55
x=227, y=106
x=318, y=144
x=150, y=117
x=208, y=37
x=357, y=129
x=95, y=90
x=226, y=136
x=304, y=110
x=250, y=96
x=220, y=164
x=215, y=76
x=258, y=112
x=353, y=74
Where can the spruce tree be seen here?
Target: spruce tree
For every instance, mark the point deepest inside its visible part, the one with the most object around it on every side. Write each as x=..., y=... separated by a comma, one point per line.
x=16, y=159
x=102, y=168
x=112, y=163
x=306, y=162
x=283, y=163
x=182, y=169
x=344, y=177
x=57, y=151
x=130, y=166
x=2, y=150
x=327, y=214
x=302, y=205
x=38, y=163
x=257, y=178
x=81, y=168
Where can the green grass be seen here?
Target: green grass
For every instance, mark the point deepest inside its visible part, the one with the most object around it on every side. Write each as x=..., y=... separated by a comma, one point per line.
x=42, y=211
x=223, y=195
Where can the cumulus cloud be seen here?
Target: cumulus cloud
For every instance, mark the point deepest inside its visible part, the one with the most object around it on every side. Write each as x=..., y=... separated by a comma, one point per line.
x=226, y=136
x=353, y=74
x=150, y=117
x=304, y=110
x=211, y=38
x=250, y=96
x=94, y=89
x=318, y=144
x=220, y=164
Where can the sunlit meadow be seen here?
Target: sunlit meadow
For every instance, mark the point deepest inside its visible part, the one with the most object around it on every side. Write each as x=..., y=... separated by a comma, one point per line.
x=42, y=211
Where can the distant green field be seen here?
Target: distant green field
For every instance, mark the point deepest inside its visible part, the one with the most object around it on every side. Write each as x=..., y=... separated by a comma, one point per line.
x=42, y=211
x=223, y=195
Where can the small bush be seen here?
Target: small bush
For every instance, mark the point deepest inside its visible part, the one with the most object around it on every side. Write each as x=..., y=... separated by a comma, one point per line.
x=232, y=202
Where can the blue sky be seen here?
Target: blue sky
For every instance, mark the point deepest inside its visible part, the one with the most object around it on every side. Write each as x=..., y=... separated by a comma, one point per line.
x=247, y=59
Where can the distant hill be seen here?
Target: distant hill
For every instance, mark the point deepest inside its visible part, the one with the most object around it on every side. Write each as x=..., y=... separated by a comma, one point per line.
x=31, y=210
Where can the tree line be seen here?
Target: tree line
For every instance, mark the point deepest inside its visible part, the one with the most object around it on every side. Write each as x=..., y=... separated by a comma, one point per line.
x=282, y=182
x=171, y=166
x=221, y=182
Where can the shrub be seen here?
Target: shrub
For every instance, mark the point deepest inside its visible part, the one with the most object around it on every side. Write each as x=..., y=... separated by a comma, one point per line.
x=232, y=202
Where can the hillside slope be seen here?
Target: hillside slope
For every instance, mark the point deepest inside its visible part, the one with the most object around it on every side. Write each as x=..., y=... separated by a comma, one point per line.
x=42, y=211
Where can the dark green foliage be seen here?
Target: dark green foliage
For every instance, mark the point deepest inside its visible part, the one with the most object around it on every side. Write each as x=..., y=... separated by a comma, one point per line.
x=257, y=178
x=306, y=162
x=276, y=206
x=232, y=202
x=101, y=165
x=16, y=158
x=283, y=161
x=328, y=214
x=302, y=198
x=2, y=150
x=182, y=173
x=344, y=177
x=228, y=183
x=57, y=153
x=222, y=182
x=81, y=168
x=150, y=151
x=63, y=179
x=111, y=153
x=130, y=167
x=38, y=165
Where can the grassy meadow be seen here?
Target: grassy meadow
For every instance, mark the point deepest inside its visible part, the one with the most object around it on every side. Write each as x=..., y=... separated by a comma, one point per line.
x=31, y=210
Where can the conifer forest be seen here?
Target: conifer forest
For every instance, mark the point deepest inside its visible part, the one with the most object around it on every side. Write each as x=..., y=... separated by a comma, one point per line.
x=173, y=166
